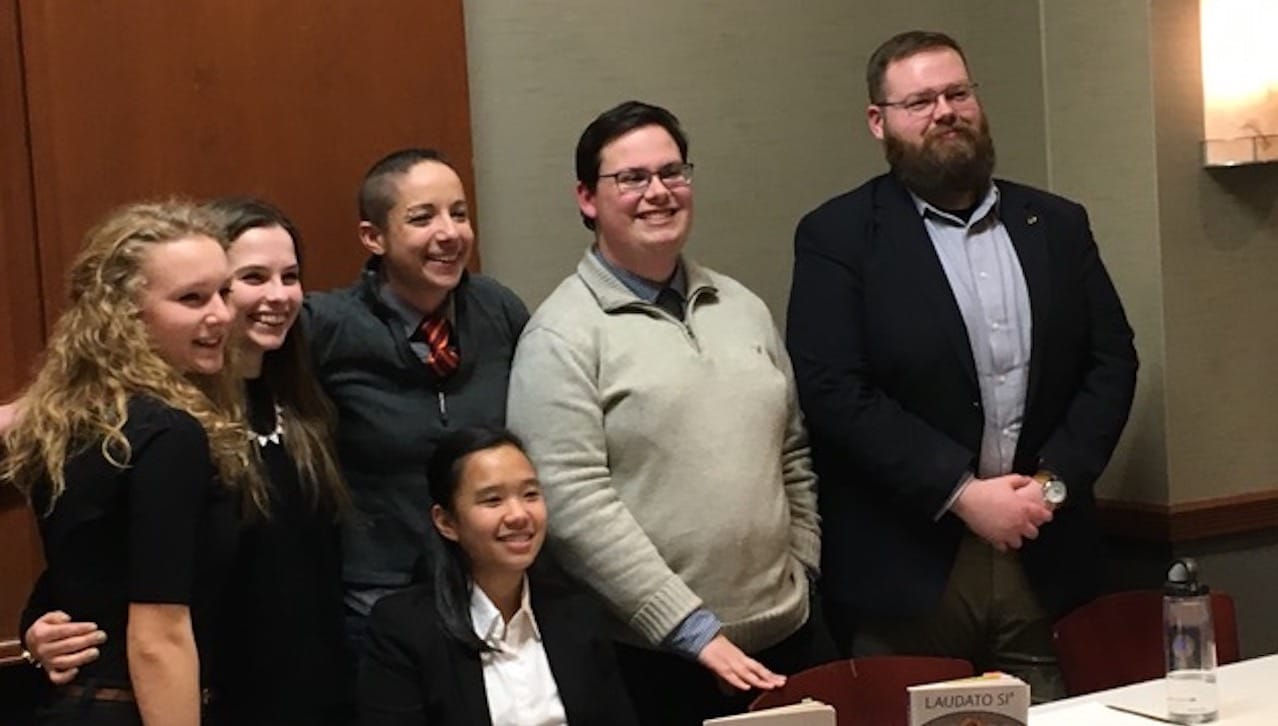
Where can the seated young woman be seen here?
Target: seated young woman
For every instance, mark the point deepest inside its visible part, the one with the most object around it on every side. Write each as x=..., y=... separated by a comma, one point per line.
x=129, y=450
x=488, y=638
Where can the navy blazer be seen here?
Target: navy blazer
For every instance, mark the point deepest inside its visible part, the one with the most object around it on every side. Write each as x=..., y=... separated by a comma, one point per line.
x=890, y=395
x=412, y=673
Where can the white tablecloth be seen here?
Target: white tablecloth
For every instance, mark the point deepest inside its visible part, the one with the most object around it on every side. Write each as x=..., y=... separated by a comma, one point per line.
x=1248, y=697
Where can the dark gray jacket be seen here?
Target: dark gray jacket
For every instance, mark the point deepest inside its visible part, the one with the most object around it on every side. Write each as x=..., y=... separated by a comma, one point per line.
x=391, y=409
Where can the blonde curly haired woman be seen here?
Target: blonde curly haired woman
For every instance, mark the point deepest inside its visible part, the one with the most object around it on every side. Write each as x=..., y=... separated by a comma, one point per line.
x=129, y=448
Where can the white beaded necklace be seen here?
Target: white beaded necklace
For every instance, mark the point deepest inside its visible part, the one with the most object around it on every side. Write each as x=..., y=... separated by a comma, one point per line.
x=275, y=436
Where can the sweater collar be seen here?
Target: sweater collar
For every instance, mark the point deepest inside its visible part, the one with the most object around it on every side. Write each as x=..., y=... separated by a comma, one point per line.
x=613, y=294
x=645, y=289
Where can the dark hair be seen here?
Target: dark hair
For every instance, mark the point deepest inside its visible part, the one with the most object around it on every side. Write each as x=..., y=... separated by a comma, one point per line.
x=287, y=372
x=451, y=569
x=898, y=47
x=618, y=121
x=377, y=191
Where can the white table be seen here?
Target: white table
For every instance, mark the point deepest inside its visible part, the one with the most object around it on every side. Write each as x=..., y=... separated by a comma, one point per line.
x=1248, y=697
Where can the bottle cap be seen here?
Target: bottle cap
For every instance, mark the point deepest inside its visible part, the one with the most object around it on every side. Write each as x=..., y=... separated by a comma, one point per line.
x=1182, y=579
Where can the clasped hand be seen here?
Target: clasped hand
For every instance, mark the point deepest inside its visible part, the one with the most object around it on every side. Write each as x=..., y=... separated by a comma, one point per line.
x=1003, y=510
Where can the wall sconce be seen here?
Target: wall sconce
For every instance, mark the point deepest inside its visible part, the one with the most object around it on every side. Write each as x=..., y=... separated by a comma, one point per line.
x=1240, y=81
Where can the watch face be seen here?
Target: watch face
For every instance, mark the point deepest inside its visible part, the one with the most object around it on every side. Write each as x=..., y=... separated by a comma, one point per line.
x=1054, y=491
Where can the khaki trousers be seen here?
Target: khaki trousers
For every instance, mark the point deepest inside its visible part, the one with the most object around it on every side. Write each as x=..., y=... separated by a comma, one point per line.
x=987, y=615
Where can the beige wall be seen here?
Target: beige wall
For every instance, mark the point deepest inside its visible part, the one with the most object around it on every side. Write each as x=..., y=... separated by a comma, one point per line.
x=1099, y=114
x=1191, y=250
x=770, y=92
x=1220, y=251
x=1096, y=99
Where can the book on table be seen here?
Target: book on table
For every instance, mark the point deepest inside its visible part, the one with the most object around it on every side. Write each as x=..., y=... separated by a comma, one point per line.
x=992, y=699
x=805, y=713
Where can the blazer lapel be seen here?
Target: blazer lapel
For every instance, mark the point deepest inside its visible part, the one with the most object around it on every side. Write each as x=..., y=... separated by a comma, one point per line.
x=1027, y=228
x=566, y=645
x=470, y=680
x=903, y=227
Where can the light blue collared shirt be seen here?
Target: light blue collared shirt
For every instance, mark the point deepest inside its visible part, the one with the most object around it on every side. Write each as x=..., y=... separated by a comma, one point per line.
x=643, y=288
x=988, y=284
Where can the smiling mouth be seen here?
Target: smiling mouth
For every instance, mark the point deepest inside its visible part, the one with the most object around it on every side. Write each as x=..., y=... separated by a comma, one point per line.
x=211, y=342
x=273, y=320
x=952, y=131
x=657, y=215
x=446, y=259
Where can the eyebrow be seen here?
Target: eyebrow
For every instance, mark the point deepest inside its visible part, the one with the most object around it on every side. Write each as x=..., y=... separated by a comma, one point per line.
x=939, y=91
x=198, y=286
x=496, y=488
x=254, y=267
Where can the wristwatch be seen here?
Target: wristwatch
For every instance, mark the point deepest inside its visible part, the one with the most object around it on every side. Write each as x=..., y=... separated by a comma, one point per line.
x=1054, y=490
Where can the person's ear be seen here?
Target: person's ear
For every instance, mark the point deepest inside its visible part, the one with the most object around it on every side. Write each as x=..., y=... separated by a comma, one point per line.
x=444, y=522
x=874, y=119
x=586, y=201
x=372, y=237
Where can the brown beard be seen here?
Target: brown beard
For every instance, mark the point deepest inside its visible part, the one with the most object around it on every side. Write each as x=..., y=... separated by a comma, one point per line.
x=944, y=168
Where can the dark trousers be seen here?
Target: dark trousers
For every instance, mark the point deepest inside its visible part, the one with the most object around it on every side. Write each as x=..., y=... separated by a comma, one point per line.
x=65, y=711
x=356, y=625
x=669, y=690
x=89, y=713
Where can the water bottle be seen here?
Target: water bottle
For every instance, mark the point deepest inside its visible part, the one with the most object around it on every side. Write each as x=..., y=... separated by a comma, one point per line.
x=1189, y=645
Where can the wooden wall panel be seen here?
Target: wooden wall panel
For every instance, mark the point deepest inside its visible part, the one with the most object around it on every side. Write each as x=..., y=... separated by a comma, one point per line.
x=21, y=325
x=103, y=102
x=290, y=100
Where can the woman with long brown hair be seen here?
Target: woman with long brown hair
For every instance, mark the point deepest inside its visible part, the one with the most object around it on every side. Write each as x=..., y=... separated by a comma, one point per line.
x=284, y=613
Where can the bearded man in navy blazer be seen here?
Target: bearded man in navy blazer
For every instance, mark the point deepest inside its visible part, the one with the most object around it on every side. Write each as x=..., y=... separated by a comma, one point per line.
x=965, y=368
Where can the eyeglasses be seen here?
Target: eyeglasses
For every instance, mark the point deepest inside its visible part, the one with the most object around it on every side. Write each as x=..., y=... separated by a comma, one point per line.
x=637, y=180
x=924, y=104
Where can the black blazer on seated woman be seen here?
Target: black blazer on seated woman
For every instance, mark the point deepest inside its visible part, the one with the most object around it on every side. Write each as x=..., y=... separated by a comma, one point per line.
x=412, y=673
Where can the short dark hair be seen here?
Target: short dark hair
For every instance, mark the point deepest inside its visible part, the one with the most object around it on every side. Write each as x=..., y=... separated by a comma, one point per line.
x=377, y=192
x=452, y=575
x=898, y=47
x=613, y=123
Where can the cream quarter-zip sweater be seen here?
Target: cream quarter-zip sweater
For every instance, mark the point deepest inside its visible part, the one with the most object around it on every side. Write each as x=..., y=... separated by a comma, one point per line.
x=672, y=454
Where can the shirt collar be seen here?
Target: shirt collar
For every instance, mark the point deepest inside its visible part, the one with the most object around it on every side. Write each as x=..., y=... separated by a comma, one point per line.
x=987, y=207
x=486, y=619
x=643, y=288
x=407, y=313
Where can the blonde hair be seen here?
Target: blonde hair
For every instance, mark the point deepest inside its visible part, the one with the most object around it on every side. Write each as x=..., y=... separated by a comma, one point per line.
x=99, y=355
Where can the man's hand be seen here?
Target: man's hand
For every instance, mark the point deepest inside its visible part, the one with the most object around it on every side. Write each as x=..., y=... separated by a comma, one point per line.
x=1001, y=512
x=735, y=668
x=1033, y=492
x=61, y=646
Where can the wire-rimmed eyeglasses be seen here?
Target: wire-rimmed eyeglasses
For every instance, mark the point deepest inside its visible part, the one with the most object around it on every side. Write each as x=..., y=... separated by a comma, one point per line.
x=637, y=180
x=923, y=104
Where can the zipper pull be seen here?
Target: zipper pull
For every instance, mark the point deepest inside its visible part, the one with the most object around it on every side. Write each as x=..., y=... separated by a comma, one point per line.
x=443, y=408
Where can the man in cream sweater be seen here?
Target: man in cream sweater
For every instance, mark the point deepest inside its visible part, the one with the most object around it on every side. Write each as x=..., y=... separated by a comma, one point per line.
x=659, y=406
